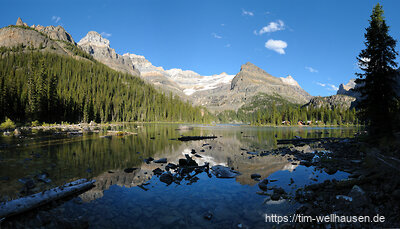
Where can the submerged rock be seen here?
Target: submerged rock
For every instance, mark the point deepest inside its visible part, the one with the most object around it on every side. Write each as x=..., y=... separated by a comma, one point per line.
x=279, y=191
x=224, y=172
x=157, y=171
x=148, y=160
x=129, y=170
x=255, y=175
x=161, y=160
x=275, y=197
x=187, y=162
x=263, y=184
x=167, y=178
x=171, y=166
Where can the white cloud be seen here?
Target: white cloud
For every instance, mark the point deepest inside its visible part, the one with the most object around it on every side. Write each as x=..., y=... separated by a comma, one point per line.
x=104, y=34
x=328, y=86
x=249, y=13
x=271, y=27
x=216, y=36
x=227, y=45
x=56, y=19
x=332, y=87
x=312, y=70
x=276, y=45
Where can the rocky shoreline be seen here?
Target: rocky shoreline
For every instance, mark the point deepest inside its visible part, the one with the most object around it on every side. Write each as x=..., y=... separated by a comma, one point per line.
x=372, y=189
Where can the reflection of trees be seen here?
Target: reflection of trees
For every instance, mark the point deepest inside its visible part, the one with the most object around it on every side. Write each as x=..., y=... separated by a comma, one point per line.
x=69, y=159
x=101, y=154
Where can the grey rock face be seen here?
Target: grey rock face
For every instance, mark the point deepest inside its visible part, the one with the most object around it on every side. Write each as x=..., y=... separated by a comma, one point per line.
x=253, y=79
x=14, y=36
x=348, y=89
x=55, y=33
x=249, y=82
x=333, y=101
x=99, y=47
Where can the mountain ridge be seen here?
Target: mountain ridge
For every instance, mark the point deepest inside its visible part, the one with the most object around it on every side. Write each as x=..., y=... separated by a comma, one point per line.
x=217, y=92
x=213, y=91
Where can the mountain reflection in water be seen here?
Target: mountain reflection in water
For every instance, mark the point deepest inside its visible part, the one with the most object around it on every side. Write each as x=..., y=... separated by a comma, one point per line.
x=141, y=200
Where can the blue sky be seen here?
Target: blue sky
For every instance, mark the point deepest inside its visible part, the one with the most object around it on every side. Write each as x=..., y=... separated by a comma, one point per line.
x=314, y=41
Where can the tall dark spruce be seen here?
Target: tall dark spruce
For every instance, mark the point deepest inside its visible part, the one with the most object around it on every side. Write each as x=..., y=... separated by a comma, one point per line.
x=377, y=83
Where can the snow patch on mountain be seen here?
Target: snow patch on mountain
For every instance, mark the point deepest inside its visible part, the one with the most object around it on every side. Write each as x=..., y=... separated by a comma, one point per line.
x=289, y=80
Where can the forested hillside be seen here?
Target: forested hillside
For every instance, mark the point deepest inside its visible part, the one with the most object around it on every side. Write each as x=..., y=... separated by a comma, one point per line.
x=48, y=87
x=274, y=110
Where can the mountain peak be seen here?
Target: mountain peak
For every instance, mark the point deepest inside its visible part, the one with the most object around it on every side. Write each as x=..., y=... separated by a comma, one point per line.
x=248, y=65
x=94, y=38
x=347, y=89
x=20, y=22
x=290, y=81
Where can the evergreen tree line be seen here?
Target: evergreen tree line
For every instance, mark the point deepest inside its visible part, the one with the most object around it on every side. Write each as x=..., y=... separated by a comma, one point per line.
x=290, y=115
x=265, y=109
x=52, y=88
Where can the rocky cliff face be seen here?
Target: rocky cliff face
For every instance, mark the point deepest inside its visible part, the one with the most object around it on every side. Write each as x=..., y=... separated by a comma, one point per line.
x=49, y=39
x=154, y=75
x=99, y=47
x=55, y=33
x=333, y=101
x=347, y=89
x=248, y=83
x=252, y=79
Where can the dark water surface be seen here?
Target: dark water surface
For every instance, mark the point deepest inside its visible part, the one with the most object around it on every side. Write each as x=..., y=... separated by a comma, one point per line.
x=141, y=200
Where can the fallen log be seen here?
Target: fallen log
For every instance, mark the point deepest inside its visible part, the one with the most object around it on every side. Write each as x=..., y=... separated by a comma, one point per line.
x=27, y=203
x=195, y=138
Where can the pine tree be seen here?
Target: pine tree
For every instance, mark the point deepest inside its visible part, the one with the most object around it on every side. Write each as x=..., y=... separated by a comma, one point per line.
x=377, y=83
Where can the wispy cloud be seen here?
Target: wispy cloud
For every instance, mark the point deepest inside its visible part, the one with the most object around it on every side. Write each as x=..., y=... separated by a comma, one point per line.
x=228, y=45
x=271, y=27
x=312, y=70
x=248, y=13
x=276, y=45
x=222, y=24
x=216, y=36
x=56, y=19
x=328, y=86
x=104, y=34
x=332, y=87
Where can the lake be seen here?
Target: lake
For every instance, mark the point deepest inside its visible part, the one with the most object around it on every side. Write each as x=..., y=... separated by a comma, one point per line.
x=140, y=200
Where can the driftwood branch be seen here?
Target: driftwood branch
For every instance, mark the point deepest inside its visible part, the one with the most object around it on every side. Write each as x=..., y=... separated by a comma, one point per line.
x=195, y=138
x=27, y=203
